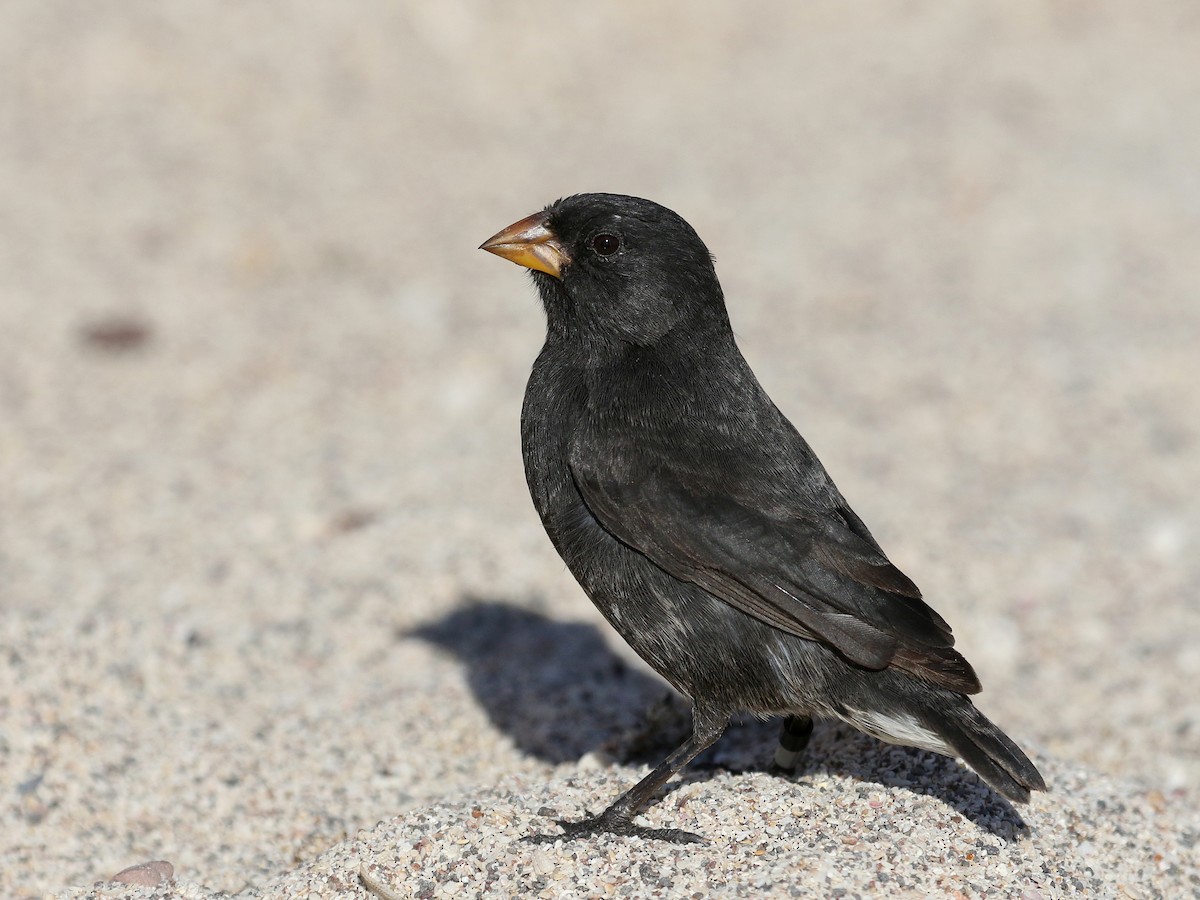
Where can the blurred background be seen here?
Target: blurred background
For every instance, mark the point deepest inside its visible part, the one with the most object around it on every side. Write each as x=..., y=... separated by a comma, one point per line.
x=259, y=392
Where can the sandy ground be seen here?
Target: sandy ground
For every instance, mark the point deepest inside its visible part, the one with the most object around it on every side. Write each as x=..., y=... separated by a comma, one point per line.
x=275, y=604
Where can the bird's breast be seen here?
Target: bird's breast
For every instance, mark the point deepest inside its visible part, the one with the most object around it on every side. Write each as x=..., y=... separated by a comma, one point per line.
x=555, y=402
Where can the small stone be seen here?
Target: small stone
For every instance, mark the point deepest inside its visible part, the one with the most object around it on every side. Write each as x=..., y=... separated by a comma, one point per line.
x=117, y=334
x=591, y=762
x=543, y=863
x=148, y=874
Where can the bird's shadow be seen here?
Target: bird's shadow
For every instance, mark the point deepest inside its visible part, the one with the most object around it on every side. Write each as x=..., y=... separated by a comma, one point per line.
x=558, y=691
x=555, y=688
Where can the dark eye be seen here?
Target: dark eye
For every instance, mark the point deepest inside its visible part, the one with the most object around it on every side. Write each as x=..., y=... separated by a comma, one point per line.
x=606, y=244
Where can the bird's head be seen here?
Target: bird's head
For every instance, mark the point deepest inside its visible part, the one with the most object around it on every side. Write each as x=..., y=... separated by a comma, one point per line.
x=612, y=267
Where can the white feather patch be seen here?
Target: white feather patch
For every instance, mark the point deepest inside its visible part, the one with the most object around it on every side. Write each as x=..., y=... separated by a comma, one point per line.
x=897, y=728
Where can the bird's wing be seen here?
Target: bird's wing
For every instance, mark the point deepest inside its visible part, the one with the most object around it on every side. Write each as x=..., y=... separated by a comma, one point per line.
x=815, y=573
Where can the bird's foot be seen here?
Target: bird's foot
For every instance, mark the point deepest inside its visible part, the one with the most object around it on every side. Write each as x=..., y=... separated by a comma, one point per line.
x=614, y=823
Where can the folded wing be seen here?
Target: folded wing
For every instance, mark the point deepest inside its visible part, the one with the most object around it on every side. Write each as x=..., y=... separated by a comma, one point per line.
x=813, y=572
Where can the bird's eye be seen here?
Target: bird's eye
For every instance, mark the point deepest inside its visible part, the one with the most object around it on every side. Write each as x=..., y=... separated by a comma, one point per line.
x=606, y=244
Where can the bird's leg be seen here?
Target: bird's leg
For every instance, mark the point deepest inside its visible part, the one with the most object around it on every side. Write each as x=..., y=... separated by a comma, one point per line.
x=793, y=738
x=707, y=726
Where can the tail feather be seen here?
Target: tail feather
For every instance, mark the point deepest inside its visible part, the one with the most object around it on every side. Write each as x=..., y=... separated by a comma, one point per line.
x=986, y=749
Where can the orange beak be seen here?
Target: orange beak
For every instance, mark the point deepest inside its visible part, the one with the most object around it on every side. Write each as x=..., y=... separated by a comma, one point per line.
x=530, y=243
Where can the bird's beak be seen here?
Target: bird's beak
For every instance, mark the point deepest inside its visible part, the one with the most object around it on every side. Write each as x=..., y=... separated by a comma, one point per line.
x=530, y=243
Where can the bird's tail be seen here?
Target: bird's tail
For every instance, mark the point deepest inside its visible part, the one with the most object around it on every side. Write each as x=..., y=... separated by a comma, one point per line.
x=985, y=748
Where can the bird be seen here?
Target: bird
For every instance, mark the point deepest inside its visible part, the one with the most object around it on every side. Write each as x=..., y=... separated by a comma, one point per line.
x=702, y=525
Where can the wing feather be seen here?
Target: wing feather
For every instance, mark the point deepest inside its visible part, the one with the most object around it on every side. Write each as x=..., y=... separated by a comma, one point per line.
x=817, y=574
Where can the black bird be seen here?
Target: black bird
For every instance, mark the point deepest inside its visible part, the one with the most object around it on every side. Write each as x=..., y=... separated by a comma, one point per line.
x=700, y=522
